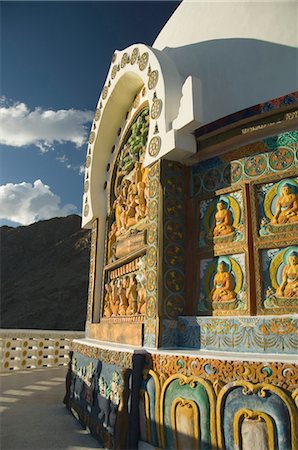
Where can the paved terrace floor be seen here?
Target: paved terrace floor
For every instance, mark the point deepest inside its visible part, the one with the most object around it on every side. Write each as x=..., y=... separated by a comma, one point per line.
x=33, y=415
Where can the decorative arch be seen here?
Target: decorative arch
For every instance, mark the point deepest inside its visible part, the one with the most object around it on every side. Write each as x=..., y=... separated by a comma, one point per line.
x=170, y=124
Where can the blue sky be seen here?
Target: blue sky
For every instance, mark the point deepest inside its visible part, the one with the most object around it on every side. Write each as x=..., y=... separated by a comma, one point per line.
x=54, y=61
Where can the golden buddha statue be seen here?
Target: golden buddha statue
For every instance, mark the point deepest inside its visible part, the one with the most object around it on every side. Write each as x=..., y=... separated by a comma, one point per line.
x=287, y=206
x=223, y=220
x=289, y=284
x=222, y=285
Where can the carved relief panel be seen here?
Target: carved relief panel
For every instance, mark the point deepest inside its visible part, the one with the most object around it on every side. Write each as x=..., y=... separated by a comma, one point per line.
x=256, y=217
x=222, y=249
x=124, y=274
x=275, y=213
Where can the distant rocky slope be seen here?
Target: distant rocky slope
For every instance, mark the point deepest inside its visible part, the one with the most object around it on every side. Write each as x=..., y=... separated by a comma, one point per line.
x=44, y=275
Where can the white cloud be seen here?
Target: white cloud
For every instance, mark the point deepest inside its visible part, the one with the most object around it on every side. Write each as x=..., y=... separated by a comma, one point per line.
x=25, y=203
x=63, y=159
x=20, y=127
x=82, y=169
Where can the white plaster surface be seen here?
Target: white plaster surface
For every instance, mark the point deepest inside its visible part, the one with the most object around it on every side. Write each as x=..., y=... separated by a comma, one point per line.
x=244, y=52
x=179, y=351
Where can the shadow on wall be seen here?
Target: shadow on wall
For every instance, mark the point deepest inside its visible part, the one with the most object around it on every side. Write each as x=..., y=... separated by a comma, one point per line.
x=237, y=73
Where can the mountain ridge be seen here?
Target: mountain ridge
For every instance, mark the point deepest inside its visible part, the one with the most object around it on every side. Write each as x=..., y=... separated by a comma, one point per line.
x=44, y=274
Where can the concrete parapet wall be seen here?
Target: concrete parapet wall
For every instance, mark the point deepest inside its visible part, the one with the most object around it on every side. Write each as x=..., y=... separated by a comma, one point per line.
x=28, y=349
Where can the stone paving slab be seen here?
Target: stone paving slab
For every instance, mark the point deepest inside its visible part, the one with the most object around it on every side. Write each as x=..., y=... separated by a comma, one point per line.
x=33, y=416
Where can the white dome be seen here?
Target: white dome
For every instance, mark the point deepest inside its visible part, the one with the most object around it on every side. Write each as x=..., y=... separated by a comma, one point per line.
x=244, y=53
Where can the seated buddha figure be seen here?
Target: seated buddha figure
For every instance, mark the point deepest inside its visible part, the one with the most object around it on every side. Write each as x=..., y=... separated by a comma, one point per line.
x=286, y=206
x=222, y=285
x=223, y=220
x=289, y=284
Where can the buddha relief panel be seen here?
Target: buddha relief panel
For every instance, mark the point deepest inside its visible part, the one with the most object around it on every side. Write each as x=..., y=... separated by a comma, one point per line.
x=221, y=219
x=279, y=279
x=277, y=204
x=223, y=285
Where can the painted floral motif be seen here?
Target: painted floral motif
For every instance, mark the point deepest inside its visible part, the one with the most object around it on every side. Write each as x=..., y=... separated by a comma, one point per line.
x=143, y=61
x=174, y=207
x=151, y=306
x=152, y=233
x=114, y=72
x=255, y=166
x=153, y=78
x=281, y=159
x=236, y=171
x=104, y=93
x=174, y=280
x=174, y=231
x=174, y=306
x=174, y=185
x=134, y=56
x=156, y=109
x=154, y=146
x=212, y=179
x=174, y=255
x=151, y=281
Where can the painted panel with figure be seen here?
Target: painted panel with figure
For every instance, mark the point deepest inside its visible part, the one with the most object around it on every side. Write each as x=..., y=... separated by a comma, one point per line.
x=223, y=285
x=277, y=207
x=221, y=219
x=277, y=280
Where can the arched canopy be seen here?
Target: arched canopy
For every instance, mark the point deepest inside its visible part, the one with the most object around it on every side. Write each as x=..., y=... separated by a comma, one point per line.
x=170, y=120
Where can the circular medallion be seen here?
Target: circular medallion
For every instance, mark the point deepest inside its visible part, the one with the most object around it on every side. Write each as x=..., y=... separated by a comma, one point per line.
x=236, y=171
x=151, y=257
x=104, y=93
x=91, y=137
x=114, y=72
x=97, y=114
x=134, y=55
x=86, y=186
x=211, y=179
x=255, y=166
x=281, y=159
x=174, y=231
x=153, y=170
x=88, y=161
x=154, y=146
x=174, y=280
x=156, y=109
x=150, y=307
x=174, y=255
x=174, y=185
x=151, y=281
x=152, y=233
x=226, y=175
x=86, y=210
x=152, y=210
x=124, y=60
x=174, y=207
x=153, y=188
x=174, y=306
x=153, y=78
x=143, y=61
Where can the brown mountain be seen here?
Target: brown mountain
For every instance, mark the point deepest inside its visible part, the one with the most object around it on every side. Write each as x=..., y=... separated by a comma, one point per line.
x=44, y=275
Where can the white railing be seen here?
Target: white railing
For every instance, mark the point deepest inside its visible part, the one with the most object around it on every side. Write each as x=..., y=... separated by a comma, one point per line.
x=28, y=349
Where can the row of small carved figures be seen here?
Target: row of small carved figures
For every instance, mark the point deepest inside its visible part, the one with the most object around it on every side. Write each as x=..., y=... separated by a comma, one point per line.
x=124, y=297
